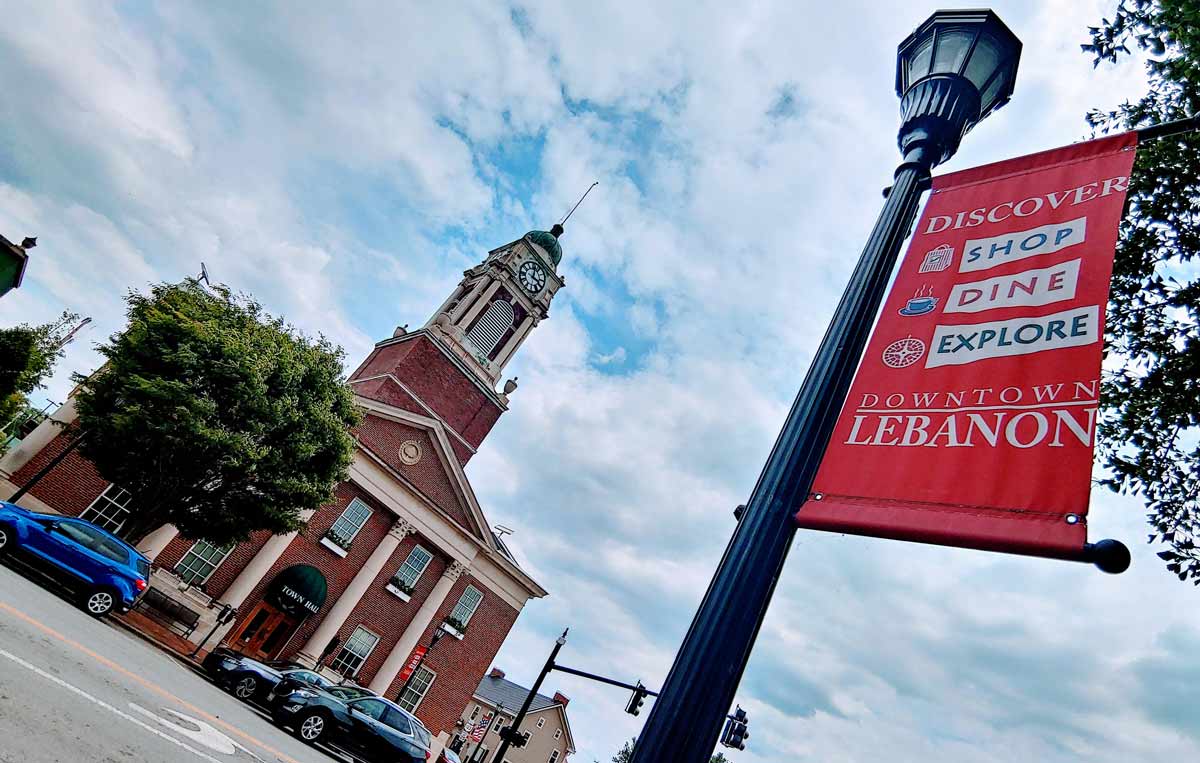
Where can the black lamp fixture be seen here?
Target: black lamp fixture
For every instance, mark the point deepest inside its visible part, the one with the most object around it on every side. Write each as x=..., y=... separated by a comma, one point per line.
x=954, y=70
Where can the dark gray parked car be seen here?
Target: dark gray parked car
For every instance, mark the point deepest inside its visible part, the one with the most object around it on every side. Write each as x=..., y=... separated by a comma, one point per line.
x=370, y=728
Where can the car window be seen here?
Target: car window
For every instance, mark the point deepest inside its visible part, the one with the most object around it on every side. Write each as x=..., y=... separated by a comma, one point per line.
x=423, y=736
x=143, y=568
x=349, y=692
x=371, y=707
x=77, y=533
x=111, y=549
x=398, y=721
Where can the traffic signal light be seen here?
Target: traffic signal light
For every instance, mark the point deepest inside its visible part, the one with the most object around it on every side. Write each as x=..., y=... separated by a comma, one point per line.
x=637, y=700
x=515, y=738
x=735, y=734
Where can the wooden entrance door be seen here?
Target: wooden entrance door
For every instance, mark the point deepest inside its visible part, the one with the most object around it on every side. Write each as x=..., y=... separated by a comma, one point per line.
x=266, y=631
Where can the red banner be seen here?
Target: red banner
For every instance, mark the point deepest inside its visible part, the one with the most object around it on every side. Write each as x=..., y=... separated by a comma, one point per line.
x=972, y=416
x=413, y=661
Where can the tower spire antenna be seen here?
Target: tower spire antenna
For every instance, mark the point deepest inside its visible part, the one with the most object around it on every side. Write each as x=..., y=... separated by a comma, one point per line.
x=567, y=216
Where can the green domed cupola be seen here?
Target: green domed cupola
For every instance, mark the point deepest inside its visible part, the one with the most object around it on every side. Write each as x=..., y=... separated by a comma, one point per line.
x=548, y=240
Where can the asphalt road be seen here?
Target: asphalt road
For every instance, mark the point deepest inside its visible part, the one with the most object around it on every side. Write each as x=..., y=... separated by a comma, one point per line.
x=77, y=690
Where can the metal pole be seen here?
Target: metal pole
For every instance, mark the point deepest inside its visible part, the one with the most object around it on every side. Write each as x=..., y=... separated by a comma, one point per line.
x=1164, y=129
x=685, y=722
x=516, y=724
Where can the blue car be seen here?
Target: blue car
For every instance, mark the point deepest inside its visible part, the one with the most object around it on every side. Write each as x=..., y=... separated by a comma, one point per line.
x=112, y=573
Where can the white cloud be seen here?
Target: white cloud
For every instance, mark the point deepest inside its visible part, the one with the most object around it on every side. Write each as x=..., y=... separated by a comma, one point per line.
x=344, y=167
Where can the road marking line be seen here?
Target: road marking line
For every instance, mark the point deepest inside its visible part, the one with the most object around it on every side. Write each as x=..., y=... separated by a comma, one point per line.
x=203, y=733
x=147, y=684
x=105, y=705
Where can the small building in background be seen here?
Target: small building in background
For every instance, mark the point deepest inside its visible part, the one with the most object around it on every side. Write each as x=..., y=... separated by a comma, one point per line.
x=494, y=706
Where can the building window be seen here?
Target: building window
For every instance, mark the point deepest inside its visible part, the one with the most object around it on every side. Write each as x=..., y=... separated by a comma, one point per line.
x=354, y=652
x=475, y=713
x=110, y=509
x=465, y=608
x=557, y=733
x=541, y=722
x=410, y=572
x=200, y=561
x=349, y=523
x=553, y=757
x=416, y=689
x=491, y=326
x=498, y=723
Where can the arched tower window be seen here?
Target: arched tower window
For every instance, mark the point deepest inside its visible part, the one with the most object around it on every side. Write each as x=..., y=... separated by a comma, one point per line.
x=491, y=326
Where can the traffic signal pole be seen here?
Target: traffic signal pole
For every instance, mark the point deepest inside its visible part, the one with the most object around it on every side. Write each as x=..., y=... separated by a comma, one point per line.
x=506, y=739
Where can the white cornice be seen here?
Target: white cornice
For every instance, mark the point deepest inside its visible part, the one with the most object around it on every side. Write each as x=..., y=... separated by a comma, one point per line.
x=492, y=568
x=445, y=453
x=429, y=421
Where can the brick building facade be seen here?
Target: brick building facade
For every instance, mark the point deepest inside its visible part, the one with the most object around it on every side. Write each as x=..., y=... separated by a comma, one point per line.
x=403, y=550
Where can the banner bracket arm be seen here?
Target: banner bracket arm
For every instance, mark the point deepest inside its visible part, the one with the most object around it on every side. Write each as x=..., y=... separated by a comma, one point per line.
x=1166, y=129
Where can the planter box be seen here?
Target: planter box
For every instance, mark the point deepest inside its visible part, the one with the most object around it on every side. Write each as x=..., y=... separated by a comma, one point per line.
x=334, y=547
x=398, y=593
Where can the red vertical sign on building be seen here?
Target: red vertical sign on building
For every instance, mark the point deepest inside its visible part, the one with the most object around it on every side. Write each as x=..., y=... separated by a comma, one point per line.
x=413, y=661
x=972, y=416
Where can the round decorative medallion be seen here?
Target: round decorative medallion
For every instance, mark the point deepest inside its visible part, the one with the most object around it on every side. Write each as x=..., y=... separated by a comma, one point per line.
x=410, y=452
x=903, y=352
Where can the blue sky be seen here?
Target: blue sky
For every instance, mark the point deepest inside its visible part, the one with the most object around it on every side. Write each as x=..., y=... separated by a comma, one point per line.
x=345, y=166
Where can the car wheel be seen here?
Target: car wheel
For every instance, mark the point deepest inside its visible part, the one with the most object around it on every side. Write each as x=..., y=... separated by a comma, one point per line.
x=100, y=602
x=246, y=688
x=5, y=535
x=311, y=727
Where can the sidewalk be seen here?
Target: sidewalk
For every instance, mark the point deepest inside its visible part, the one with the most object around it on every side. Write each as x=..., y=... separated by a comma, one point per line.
x=160, y=636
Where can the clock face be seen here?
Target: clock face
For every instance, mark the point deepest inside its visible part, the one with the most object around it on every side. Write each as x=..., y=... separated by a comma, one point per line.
x=532, y=277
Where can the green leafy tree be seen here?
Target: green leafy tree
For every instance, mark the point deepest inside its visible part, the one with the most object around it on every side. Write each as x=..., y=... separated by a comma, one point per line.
x=216, y=417
x=1151, y=402
x=27, y=355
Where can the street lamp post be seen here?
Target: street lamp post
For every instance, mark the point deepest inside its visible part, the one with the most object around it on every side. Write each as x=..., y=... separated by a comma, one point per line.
x=954, y=70
x=436, y=637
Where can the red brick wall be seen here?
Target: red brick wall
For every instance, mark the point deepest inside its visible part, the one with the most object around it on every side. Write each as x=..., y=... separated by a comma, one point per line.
x=439, y=383
x=460, y=665
x=71, y=486
x=384, y=437
x=385, y=390
x=224, y=574
x=385, y=614
x=338, y=571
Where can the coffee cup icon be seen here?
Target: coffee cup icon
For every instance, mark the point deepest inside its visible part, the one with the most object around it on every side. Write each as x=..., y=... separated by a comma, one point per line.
x=919, y=305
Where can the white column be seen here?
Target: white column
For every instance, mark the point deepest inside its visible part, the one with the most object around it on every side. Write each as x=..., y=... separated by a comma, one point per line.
x=515, y=340
x=349, y=599
x=477, y=308
x=467, y=300
x=412, y=634
x=154, y=543
x=253, y=573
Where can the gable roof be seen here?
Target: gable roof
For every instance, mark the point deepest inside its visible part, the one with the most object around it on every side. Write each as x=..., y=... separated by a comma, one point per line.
x=500, y=691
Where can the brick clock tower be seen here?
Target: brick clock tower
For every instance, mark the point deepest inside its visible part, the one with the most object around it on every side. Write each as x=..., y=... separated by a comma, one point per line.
x=449, y=368
x=404, y=549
